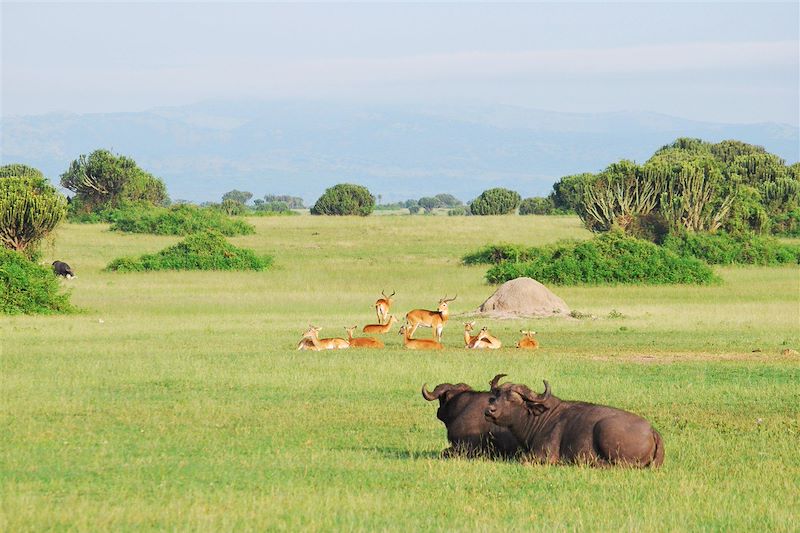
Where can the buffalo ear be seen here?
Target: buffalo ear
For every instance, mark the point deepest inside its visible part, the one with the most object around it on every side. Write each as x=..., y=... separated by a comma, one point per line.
x=535, y=408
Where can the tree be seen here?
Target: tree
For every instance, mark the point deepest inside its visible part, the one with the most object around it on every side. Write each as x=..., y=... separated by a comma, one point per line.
x=294, y=202
x=237, y=196
x=693, y=199
x=497, y=201
x=232, y=207
x=448, y=200
x=536, y=206
x=104, y=180
x=345, y=199
x=568, y=191
x=428, y=203
x=29, y=210
x=619, y=194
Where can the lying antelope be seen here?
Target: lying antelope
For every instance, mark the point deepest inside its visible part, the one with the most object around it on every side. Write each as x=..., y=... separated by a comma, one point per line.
x=382, y=306
x=311, y=341
x=380, y=328
x=469, y=339
x=485, y=340
x=527, y=341
x=418, y=344
x=430, y=319
x=361, y=342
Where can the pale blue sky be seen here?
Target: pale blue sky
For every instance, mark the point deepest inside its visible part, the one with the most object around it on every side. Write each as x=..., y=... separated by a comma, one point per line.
x=725, y=62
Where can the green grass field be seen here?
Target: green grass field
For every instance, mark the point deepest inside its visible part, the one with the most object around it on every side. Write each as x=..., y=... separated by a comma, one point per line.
x=177, y=401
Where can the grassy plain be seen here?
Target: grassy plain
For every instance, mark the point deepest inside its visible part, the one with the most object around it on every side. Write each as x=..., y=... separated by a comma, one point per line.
x=177, y=400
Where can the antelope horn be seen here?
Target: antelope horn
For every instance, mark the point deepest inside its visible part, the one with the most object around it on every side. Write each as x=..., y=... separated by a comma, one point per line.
x=384, y=294
x=495, y=380
x=445, y=299
x=393, y=293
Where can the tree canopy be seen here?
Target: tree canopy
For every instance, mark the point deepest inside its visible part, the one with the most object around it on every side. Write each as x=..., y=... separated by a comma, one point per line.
x=104, y=180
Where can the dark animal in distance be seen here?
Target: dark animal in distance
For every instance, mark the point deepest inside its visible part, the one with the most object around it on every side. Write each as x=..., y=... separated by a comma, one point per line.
x=552, y=430
x=62, y=269
x=469, y=432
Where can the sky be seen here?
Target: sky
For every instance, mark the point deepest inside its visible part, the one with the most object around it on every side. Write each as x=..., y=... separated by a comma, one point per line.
x=720, y=62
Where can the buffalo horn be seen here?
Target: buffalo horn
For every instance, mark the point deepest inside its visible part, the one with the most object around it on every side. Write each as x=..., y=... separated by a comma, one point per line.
x=495, y=380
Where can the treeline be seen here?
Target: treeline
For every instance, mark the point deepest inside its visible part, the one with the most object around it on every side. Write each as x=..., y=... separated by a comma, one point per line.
x=689, y=185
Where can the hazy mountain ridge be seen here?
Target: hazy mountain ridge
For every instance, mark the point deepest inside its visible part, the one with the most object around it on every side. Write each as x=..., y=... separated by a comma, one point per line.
x=300, y=148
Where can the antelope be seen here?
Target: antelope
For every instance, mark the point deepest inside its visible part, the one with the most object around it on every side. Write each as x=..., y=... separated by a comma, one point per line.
x=527, y=341
x=311, y=341
x=361, y=342
x=418, y=344
x=485, y=340
x=469, y=339
x=380, y=328
x=430, y=319
x=382, y=306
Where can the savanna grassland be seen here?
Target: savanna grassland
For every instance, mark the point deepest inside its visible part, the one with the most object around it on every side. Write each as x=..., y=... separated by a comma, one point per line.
x=177, y=400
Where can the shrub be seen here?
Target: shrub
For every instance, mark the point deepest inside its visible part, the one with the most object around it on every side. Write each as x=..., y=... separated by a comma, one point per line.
x=459, y=211
x=725, y=249
x=607, y=259
x=345, y=199
x=28, y=288
x=536, y=206
x=493, y=254
x=30, y=208
x=496, y=201
x=180, y=219
x=207, y=250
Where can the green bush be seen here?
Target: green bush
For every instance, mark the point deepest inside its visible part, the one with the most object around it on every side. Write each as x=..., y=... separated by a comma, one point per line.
x=537, y=206
x=207, y=250
x=182, y=219
x=459, y=211
x=28, y=288
x=607, y=259
x=725, y=249
x=497, y=201
x=493, y=254
x=345, y=199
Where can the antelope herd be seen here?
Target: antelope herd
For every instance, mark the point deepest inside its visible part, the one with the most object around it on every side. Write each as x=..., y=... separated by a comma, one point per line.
x=436, y=320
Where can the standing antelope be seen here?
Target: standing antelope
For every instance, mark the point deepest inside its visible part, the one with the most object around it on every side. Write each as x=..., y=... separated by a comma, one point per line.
x=527, y=341
x=430, y=319
x=382, y=306
x=485, y=340
x=311, y=341
x=418, y=344
x=380, y=328
x=469, y=339
x=361, y=342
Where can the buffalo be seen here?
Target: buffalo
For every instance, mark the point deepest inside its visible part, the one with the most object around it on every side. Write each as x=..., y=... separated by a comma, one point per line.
x=62, y=269
x=469, y=432
x=555, y=431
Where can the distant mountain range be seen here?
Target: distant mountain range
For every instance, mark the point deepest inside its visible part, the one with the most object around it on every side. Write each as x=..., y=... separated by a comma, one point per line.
x=300, y=148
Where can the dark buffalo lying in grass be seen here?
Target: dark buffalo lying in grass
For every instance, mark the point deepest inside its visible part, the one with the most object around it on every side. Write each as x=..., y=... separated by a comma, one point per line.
x=62, y=269
x=553, y=431
x=469, y=432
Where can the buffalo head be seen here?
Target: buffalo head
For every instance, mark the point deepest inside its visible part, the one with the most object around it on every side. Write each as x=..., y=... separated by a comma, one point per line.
x=510, y=400
x=444, y=392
